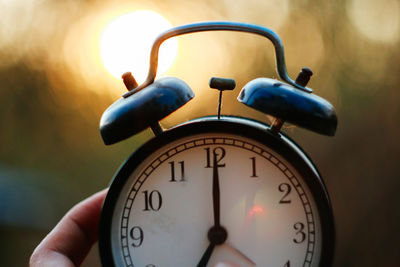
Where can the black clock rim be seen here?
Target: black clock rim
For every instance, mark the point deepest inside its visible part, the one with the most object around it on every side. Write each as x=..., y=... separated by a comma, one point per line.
x=230, y=125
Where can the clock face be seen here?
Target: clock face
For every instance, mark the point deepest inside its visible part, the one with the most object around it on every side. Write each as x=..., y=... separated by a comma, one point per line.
x=165, y=207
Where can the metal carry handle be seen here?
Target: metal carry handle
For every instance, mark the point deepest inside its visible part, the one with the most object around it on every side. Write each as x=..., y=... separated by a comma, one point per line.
x=218, y=26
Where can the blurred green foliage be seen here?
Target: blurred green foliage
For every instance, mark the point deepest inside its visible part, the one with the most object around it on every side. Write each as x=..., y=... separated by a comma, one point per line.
x=52, y=156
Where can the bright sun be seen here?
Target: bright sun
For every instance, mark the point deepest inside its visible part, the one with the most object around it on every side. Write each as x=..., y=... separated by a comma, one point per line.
x=126, y=42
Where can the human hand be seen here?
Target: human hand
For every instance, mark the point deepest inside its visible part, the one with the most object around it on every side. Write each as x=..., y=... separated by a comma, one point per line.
x=70, y=241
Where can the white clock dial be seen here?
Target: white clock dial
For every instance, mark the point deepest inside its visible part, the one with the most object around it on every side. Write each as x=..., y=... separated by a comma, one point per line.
x=165, y=209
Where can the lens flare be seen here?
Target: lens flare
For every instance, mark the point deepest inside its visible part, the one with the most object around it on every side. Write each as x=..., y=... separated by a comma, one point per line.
x=126, y=42
x=256, y=210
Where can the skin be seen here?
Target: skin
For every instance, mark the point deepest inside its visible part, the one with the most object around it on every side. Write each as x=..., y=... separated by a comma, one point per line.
x=70, y=241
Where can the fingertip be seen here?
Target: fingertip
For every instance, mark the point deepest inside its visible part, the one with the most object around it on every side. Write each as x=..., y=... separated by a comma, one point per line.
x=70, y=241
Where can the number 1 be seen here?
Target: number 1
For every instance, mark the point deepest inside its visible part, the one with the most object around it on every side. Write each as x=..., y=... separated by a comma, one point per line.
x=253, y=167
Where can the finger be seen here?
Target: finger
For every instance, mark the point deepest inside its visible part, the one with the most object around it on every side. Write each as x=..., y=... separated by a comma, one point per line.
x=240, y=253
x=226, y=264
x=70, y=241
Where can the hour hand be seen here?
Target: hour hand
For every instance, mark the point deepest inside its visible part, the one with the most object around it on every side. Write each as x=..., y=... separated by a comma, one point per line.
x=206, y=255
x=217, y=235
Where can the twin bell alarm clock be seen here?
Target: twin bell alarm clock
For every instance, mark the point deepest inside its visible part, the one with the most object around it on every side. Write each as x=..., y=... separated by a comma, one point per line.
x=217, y=190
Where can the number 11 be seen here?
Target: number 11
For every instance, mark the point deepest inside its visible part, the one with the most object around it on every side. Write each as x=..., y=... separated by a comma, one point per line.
x=172, y=165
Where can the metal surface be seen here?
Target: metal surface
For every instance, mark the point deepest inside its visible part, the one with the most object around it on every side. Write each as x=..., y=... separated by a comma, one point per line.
x=129, y=81
x=218, y=26
x=128, y=116
x=304, y=76
x=222, y=84
x=286, y=103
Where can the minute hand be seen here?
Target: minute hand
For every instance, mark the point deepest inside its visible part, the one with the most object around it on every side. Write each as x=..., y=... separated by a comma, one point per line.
x=216, y=193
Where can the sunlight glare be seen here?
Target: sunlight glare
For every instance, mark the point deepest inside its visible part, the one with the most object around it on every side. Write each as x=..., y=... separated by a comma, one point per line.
x=126, y=42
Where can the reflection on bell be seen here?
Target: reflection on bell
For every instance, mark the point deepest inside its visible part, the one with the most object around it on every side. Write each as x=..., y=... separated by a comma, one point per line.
x=282, y=100
x=133, y=114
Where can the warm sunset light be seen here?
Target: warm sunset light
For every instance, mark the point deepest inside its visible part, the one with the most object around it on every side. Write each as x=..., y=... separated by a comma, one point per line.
x=126, y=42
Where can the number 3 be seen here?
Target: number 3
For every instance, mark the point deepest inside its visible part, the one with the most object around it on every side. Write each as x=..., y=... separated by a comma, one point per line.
x=300, y=227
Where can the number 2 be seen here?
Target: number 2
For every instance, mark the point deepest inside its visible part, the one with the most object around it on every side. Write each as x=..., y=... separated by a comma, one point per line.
x=285, y=188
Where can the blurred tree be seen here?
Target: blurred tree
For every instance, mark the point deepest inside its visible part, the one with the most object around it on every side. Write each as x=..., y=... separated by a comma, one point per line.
x=53, y=91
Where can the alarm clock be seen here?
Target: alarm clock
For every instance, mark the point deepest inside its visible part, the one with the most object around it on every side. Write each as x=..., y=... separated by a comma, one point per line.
x=217, y=190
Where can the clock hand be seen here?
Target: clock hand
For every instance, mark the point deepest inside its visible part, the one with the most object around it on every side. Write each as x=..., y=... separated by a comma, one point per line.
x=217, y=234
x=216, y=193
x=206, y=255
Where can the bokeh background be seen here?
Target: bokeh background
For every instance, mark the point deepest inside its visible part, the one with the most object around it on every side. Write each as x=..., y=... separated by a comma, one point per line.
x=54, y=88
